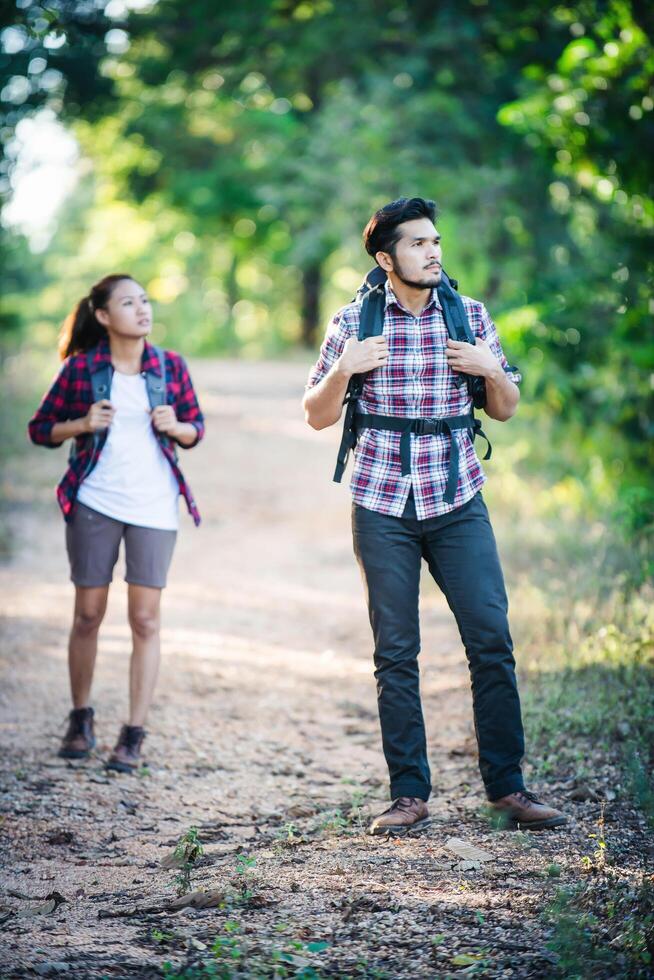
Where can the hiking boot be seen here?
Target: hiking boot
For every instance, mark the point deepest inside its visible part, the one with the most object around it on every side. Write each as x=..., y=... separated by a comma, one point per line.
x=523, y=811
x=79, y=739
x=405, y=815
x=126, y=756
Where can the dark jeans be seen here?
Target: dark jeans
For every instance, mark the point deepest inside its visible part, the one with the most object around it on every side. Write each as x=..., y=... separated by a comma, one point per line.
x=460, y=551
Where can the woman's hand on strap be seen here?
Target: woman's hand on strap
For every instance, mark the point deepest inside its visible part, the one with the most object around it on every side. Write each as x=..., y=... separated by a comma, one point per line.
x=99, y=416
x=165, y=421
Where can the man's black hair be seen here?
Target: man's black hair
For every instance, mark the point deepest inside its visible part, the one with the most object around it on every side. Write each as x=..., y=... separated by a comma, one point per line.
x=381, y=234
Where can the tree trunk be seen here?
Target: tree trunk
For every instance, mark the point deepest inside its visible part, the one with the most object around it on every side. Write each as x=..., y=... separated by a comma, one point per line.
x=311, y=281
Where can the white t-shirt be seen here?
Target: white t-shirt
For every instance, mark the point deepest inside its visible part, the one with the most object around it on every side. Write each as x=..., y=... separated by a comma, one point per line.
x=132, y=481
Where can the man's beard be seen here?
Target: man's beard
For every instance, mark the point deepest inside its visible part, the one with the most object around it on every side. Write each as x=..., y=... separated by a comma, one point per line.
x=433, y=280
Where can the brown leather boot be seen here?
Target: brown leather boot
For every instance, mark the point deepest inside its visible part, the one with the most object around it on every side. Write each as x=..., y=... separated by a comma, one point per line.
x=79, y=739
x=406, y=814
x=126, y=756
x=523, y=811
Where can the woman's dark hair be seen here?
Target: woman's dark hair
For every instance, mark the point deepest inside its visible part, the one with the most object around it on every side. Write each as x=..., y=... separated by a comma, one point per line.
x=381, y=234
x=81, y=330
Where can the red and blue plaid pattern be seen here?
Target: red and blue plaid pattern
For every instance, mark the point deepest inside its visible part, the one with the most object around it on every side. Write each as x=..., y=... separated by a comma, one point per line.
x=416, y=382
x=70, y=397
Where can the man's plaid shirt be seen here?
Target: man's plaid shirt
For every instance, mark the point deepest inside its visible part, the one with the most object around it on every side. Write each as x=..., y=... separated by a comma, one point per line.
x=71, y=396
x=416, y=382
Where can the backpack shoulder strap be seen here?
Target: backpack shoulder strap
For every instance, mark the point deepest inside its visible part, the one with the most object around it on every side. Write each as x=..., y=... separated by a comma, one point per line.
x=458, y=328
x=371, y=320
x=100, y=378
x=371, y=324
x=456, y=318
x=156, y=384
x=100, y=388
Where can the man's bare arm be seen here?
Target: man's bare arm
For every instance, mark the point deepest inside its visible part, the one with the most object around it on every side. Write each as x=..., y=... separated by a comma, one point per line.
x=323, y=403
x=502, y=395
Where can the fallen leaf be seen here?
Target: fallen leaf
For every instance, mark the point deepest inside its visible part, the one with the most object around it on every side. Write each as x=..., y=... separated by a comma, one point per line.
x=467, y=851
x=46, y=908
x=466, y=959
x=198, y=900
x=60, y=837
x=299, y=810
x=583, y=793
x=173, y=860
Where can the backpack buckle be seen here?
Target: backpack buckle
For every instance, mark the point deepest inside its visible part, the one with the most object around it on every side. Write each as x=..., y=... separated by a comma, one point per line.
x=427, y=427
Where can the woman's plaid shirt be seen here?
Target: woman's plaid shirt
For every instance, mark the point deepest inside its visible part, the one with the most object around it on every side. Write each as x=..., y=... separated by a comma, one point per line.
x=416, y=382
x=70, y=397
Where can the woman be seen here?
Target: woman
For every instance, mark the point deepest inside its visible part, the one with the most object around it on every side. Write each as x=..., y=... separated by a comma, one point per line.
x=126, y=406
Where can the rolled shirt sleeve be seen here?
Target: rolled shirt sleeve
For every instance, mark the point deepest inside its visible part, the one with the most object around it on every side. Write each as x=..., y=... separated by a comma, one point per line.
x=338, y=332
x=488, y=332
x=53, y=408
x=187, y=407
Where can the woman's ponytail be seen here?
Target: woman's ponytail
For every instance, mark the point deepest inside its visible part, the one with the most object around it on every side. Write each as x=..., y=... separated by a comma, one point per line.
x=81, y=329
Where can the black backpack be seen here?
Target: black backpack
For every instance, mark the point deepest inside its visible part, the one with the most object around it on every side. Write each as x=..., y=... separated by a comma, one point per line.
x=372, y=294
x=101, y=388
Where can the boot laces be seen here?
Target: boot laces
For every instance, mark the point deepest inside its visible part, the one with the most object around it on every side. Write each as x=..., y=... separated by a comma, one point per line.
x=77, y=719
x=403, y=803
x=131, y=737
x=530, y=797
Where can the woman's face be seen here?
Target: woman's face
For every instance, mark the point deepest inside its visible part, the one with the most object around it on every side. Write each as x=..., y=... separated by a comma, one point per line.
x=128, y=312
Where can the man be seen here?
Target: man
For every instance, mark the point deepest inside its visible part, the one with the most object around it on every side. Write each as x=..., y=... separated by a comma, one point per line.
x=409, y=508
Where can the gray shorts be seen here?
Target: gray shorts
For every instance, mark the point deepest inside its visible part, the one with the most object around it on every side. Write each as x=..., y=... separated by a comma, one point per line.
x=93, y=541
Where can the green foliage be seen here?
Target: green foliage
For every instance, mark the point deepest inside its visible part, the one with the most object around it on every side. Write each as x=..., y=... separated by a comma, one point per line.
x=243, y=150
x=603, y=930
x=235, y=957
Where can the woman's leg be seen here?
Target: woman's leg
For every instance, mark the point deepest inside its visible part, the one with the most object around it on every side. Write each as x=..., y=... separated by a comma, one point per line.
x=144, y=620
x=90, y=606
x=148, y=552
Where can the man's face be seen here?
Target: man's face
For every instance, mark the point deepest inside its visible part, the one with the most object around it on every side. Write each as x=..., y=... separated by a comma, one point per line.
x=417, y=258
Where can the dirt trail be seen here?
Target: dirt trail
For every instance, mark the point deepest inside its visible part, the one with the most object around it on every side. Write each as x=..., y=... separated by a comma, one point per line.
x=264, y=734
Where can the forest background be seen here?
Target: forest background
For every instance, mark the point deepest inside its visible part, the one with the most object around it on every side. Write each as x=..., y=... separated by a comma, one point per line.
x=228, y=156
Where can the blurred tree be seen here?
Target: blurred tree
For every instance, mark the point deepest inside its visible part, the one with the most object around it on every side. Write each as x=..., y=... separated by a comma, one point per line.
x=255, y=141
x=588, y=116
x=49, y=59
x=308, y=112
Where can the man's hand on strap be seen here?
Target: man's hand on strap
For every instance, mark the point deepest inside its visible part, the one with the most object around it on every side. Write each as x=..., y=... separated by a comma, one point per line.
x=360, y=356
x=466, y=359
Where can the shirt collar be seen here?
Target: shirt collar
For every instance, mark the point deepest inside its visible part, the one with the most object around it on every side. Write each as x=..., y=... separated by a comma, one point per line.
x=392, y=298
x=149, y=359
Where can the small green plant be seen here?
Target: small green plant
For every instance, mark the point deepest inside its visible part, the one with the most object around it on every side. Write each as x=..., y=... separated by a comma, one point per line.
x=187, y=852
x=598, y=861
x=159, y=936
x=245, y=878
x=288, y=835
x=334, y=823
x=235, y=956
